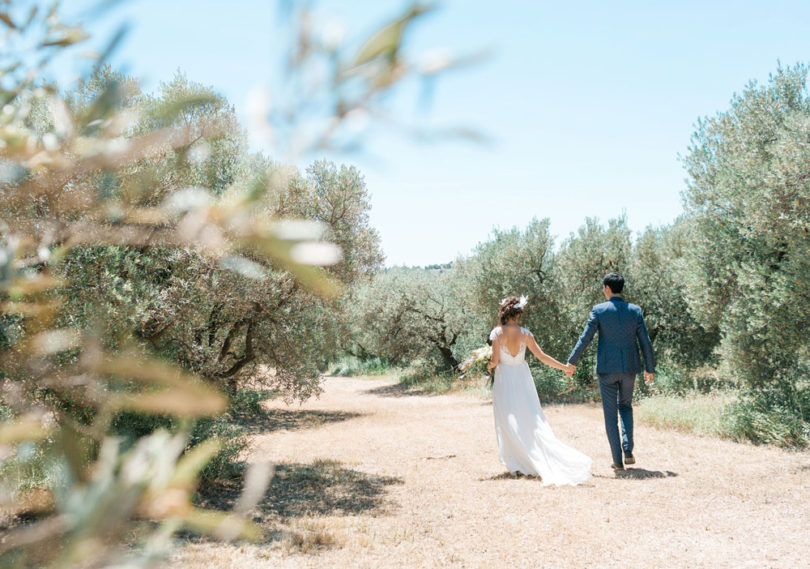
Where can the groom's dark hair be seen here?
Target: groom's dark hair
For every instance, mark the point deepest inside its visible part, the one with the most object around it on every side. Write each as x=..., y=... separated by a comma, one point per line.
x=615, y=281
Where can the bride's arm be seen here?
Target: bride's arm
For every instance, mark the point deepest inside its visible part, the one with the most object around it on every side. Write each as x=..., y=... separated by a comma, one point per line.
x=541, y=355
x=496, y=355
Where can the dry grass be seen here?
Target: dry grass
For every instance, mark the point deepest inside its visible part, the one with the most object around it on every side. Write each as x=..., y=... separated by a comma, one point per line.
x=409, y=480
x=310, y=537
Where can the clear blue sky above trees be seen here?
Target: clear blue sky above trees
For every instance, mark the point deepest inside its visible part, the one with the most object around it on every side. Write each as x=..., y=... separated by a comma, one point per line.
x=587, y=104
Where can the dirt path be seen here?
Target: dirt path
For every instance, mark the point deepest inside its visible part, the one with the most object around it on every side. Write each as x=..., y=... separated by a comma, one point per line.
x=370, y=476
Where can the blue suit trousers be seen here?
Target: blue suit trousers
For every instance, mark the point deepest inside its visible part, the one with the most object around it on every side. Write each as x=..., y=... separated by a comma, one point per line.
x=617, y=398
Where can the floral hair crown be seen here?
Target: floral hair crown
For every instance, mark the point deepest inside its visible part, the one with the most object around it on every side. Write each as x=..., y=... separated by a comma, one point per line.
x=521, y=303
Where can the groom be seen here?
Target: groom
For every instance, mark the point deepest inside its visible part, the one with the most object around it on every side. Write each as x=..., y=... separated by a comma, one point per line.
x=619, y=324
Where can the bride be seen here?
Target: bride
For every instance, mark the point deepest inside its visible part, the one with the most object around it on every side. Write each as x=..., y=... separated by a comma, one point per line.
x=526, y=442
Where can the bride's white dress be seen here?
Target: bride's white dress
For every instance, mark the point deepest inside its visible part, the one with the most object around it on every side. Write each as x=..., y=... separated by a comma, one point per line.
x=526, y=442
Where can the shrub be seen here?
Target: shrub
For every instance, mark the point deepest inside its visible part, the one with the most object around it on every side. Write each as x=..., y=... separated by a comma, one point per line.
x=429, y=381
x=349, y=366
x=770, y=417
x=228, y=463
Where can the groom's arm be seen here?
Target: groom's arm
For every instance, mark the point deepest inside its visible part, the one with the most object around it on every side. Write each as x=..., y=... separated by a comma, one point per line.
x=646, y=344
x=585, y=338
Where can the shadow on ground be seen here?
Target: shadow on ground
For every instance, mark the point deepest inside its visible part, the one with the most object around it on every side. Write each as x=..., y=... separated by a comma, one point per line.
x=322, y=488
x=396, y=390
x=275, y=419
x=627, y=474
x=642, y=474
x=511, y=476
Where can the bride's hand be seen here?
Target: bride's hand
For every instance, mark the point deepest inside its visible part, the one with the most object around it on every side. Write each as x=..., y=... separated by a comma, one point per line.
x=490, y=366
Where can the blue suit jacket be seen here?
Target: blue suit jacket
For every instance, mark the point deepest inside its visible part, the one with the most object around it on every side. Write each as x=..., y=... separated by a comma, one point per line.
x=619, y=324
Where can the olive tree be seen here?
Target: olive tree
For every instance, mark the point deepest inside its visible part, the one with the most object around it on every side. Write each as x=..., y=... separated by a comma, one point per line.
x=408, y=314
x=222, y=318
x=582, y=261
x=659, y=281
x=748, y=196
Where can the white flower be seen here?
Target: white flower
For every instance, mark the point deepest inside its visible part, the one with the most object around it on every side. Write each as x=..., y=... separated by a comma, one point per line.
x=316, y=253
x=520, y=304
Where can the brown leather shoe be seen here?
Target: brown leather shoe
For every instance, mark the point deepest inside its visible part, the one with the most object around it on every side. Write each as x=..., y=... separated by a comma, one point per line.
x=628, y=458
x=615, y=466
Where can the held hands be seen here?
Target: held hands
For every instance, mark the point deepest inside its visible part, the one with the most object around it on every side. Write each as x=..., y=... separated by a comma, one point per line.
x=648, y=378
x=569, y=370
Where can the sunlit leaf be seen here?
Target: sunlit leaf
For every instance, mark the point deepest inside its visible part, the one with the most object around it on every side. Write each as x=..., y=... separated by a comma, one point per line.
x=24, y=286
x=76, y=447
x=244, y=267
x=22, y=430
x=164, y=503
x=185, y=394
x=46, y=309
x=190, y=465
x=187, y=199
x=114, y=42
x=146, y=216
x=387, y=39
x=174, y=401
x=6, y=19
x=54, y=341
x=133, y=366
x=60, y=116
x=316, y=253
x=313, y=278
x=439, y=60
x=31, y=15
x=257, y=480
x=222, y=525
x=103, y=105
x=298, y=229
x=72, y=36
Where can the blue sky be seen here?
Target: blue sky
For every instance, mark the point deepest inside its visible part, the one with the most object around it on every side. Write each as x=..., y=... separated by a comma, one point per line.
x=587, y=104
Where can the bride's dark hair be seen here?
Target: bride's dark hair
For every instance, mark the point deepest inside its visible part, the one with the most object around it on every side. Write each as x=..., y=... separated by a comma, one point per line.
x=508, y=309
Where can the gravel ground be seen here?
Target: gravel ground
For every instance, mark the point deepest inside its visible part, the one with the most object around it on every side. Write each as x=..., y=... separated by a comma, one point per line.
x=372, y=476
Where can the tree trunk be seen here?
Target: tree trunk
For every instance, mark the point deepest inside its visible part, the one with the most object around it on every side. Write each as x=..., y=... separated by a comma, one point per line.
x=447, y=354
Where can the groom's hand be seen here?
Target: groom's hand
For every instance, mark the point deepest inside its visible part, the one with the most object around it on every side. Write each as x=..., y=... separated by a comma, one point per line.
x=648, y=378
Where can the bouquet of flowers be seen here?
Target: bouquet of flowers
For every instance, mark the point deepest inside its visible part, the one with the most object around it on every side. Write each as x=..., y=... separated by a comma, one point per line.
x=476, y=364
